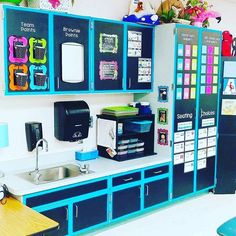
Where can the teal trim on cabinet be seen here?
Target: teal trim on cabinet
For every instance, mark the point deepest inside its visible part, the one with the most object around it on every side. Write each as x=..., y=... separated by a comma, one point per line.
x=5, y=52
x=91, y=56
x=111, y=189
x=51, y=56
x=125, y=51
x=197, y=111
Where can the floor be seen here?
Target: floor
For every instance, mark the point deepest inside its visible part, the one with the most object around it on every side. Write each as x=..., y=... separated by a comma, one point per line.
x=198, y=216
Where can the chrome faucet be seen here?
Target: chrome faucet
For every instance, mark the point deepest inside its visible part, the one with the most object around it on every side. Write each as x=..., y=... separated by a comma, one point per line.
x=37, y=152
x=84, y=169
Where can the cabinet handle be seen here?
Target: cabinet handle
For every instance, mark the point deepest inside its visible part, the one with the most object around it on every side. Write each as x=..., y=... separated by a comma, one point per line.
x=147, y=190
x=129, y=82
x=140, y=192
x=58, y=83
x=157, y=172
x=129, y=179
x=67, y=213
x=76, y=211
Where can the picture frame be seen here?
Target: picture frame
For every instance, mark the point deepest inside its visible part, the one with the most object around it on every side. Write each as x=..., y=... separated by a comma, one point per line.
x=163, y=93
x=162, y=137
x=162, y=116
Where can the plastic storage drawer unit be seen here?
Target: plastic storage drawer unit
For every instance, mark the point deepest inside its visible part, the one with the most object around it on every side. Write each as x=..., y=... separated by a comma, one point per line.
x=138, y=126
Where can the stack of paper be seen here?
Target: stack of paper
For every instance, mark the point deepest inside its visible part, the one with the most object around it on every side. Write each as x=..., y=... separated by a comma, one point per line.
x=120, y=111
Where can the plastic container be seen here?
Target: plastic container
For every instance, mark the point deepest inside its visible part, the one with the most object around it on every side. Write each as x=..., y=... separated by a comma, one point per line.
x=138, y=126
x=133, y=145
x=131, y=151
x=85, y=156
x=139, y=149
x=140, y=144
x=133, y=140
x=122, y=153
x=122, y=147
x=124, y=141
x=144, y=108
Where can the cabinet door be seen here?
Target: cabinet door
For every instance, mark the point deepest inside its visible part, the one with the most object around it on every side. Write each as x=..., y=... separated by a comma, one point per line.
x=89, y=212
x=125, y=201
x=108, y=55
x=60, y=215
x=139, y=57
x=208, y=108
x=27, y=51
x=186, y=67
x=71, y=53
x=155, y=192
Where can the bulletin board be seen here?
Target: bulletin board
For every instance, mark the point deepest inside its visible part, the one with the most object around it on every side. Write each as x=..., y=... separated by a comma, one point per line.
x=108, y=55
x=139, y=57
x=71, y=32
x=23, y=31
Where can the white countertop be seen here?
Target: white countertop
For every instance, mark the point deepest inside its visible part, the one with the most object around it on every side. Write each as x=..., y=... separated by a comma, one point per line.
x=101, y=167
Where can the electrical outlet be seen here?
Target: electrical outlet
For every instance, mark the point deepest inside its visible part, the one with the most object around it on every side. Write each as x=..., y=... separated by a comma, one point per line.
x=91, y=121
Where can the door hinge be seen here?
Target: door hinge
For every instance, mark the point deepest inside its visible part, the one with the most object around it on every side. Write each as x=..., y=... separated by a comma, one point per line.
x=172, y=87
x=171, y=143
x=175, y=31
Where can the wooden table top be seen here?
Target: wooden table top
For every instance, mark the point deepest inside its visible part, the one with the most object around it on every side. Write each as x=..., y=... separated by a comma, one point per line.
x=18, y=219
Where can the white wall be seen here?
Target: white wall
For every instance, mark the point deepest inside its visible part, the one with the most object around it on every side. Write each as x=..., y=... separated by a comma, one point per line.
x=17, y=110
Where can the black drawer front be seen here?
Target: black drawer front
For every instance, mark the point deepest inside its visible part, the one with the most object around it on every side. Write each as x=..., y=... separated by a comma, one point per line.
x=66, y=193
x=156, y=171
x=124, y=179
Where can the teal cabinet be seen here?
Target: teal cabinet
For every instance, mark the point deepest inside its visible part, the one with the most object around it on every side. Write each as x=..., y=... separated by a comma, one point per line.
x=108, y=55
x=126, y=194
x=76, y=207
x=90, y=212
x=70, y=54
x=126, y=201
x=156, y=186
x=156, y=192
x=139, y=55
x=84, y=206
x=186, y=92
x=26, y=51
x=71, y=49
x=60, y=215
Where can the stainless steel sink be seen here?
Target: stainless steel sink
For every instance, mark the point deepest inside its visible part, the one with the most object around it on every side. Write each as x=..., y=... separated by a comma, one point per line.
x=53, y=174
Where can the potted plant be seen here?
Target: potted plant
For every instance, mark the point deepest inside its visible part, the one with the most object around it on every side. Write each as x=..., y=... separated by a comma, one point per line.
x=198, y=12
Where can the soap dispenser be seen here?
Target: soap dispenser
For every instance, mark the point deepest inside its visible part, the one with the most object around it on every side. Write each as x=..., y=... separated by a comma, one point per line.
x=34, y=132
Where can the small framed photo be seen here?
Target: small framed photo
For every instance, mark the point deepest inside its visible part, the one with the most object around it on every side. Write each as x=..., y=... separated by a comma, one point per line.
x=162, y=137
x=162, y=116
x=163, y=93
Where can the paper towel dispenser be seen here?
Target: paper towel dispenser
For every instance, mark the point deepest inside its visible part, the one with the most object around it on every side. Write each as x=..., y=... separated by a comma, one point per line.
x=71, y=120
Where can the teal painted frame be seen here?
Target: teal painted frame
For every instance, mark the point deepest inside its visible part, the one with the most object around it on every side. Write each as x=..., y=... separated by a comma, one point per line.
x=90, y=60
x=5, y=7
x=153, y=58
x=52, y=14
x=109, y=191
